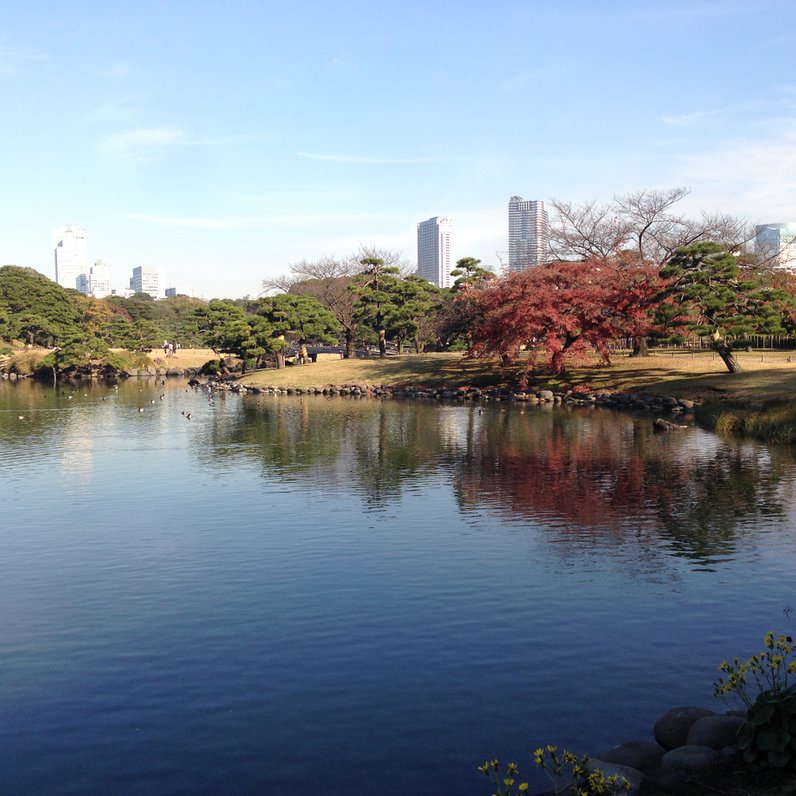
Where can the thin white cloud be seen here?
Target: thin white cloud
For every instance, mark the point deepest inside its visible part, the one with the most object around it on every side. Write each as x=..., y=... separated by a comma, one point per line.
x=695, y=119
x=338, y=62
x=143, y=143
x=755, y=175
x=119, y=70
x=386, y=161
x=147, y=143
x=529, y=77
x=12, y=57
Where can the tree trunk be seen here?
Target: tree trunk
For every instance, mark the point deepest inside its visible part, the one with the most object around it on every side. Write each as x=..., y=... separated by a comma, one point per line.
x=727, y=357
x=303, y=354
x=280, y=359
x=640, y=347
x=350, y=351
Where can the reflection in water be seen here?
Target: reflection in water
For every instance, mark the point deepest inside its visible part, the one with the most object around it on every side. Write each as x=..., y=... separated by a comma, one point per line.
x=591, y=474
x=607, y=474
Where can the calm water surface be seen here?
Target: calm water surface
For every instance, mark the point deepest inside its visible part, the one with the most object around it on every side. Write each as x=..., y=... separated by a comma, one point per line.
x=300, y=596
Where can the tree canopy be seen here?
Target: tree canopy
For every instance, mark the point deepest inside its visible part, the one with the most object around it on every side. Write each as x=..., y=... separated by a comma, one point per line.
x=719, y=299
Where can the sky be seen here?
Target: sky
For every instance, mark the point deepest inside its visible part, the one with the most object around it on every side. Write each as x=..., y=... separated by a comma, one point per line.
x=223, y=141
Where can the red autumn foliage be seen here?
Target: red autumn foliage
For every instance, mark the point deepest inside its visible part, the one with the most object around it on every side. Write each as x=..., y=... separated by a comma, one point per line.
x=565, y=309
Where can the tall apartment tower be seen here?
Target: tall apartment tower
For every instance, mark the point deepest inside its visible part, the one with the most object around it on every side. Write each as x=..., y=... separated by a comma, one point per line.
x=146, y=280
x=99, y=279
x=70, y=255
x=776, y=244
x=435, y=250
x=528, y=233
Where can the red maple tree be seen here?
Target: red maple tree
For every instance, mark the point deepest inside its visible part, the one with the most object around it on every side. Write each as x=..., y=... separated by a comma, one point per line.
x=565, y=309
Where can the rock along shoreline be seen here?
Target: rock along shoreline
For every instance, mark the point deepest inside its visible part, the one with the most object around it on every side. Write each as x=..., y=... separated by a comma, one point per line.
x=619, y=400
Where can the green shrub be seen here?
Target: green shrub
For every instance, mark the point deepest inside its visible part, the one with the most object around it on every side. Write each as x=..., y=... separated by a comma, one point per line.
x=765, y=684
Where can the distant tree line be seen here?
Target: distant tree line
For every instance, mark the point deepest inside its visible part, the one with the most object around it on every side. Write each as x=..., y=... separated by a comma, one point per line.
x=630, y=269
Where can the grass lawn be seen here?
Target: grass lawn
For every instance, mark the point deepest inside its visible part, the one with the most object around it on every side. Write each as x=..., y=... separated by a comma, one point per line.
x=766, y=374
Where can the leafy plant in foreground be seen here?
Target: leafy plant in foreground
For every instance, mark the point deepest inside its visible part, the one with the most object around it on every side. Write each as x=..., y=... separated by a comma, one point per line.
x=768, y=736
x=568, y=773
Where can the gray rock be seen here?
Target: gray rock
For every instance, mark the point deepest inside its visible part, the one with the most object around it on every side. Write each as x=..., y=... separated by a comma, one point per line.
x=666, y=780
x=689, y=758
x=715, y=731
x=671, y=729
x=545, y=395
x=641, y=755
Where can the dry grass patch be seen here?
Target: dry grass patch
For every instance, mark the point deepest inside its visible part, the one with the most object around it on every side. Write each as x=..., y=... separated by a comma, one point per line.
x=435, y=370
x=184, y=358
x=680, y=373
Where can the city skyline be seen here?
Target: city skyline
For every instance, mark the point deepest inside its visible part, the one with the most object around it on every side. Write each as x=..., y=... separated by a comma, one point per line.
x=351, y=137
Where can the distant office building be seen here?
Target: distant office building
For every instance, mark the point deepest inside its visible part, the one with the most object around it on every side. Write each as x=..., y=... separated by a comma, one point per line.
x=435, y=250
x=99, y=279
x=776, y=244
x=70, y=255
x=146, y=279
x=528, y=233
x=173, y=292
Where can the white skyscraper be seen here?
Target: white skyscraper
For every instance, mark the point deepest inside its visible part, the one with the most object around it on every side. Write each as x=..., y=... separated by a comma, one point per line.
x=776, y=244
x=435, y=250
x=528, y=233
x=70, y=255
x=99, y=279
x=146, y=280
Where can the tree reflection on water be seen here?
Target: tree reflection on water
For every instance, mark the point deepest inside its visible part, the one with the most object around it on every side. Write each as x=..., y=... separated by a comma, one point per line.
x=596, y=474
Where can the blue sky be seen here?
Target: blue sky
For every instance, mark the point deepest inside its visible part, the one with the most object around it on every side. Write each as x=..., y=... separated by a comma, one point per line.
x=223, y=141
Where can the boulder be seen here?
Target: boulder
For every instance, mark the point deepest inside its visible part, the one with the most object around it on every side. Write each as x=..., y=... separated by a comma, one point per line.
x=671, y=729
x=689, y=758
x=666, y=780
x=545, y=395
x=640, y=755
x=715, y=731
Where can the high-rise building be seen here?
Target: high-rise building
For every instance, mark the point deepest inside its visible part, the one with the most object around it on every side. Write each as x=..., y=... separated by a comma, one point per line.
x=99, y=279
x=182, y=290
x=528, y=233
x=435, y=250
x=70, y=255
x=146, y=279
x=776, y=244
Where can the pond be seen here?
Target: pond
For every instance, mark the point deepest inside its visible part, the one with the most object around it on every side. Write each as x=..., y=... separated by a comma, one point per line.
x=295, y=595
